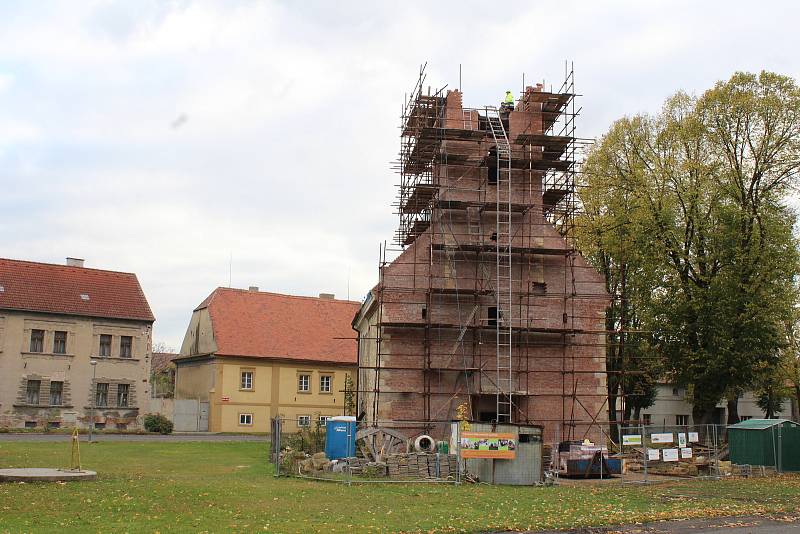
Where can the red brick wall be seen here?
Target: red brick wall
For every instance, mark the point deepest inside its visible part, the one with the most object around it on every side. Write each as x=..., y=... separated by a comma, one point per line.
x=539, y=359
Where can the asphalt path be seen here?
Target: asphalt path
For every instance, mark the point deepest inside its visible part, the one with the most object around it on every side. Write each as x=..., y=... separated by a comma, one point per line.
x=777, y=524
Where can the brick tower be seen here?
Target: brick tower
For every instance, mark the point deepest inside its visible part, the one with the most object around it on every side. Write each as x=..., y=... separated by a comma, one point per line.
x=487, y=304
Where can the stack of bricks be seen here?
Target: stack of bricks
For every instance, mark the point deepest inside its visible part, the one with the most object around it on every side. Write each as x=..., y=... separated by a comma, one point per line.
x=422, y=465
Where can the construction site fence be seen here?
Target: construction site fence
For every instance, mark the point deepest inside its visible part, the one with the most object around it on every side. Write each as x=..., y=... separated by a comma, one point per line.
x=381, y=452
x=659, y=452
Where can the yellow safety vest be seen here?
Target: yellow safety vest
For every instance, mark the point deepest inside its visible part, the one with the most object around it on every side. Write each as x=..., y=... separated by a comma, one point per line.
x=509, y=98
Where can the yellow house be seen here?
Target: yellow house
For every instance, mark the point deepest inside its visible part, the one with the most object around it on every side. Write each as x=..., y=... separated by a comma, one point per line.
x=250, y=355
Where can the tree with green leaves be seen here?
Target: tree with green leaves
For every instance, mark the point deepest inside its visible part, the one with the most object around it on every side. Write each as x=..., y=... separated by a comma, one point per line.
x=705, y=183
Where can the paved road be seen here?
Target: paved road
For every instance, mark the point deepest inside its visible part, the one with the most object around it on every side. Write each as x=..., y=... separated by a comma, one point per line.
x=134, y=437
x=779, y=524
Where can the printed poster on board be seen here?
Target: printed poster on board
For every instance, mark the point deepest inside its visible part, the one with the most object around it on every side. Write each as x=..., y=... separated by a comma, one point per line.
x=681, y=440
x=686, y=452
x=488, y=445
x=632, y=439
x=694, y=437
x=661, y=438
x=652, y=455
x=670, y=455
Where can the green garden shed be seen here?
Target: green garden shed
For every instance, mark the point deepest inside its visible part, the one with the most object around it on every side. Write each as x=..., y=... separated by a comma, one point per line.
x=769, y=442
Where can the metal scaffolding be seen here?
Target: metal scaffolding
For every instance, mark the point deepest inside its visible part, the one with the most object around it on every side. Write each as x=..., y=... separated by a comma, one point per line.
x=487, y=206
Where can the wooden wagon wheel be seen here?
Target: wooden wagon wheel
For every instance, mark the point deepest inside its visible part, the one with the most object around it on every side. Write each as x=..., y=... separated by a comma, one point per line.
x=376, y=443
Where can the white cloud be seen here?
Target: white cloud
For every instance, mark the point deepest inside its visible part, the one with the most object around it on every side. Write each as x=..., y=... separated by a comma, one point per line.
x=291, y=120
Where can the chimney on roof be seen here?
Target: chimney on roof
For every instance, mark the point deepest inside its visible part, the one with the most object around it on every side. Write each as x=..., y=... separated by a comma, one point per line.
x=254, y=289
x=75, y=262
x=327, y=296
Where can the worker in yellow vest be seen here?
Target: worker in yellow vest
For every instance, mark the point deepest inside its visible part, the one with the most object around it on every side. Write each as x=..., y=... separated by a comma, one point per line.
x=508, y=102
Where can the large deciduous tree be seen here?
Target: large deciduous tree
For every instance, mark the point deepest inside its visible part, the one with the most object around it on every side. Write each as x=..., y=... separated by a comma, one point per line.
x=694, y=199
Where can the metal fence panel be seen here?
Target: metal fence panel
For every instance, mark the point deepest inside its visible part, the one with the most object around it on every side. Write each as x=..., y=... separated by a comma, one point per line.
x=658, y=452
x=389, y=452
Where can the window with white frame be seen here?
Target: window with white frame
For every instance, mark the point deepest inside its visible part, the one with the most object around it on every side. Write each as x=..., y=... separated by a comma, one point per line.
x=37, y=340
x=325, y=383
x=323, y=419
x=125, y=346
x=105, y=346
x=681, y=420
x=304, y=420
x=247, y=380
x=56, y=393
x=303, y=383
x=101, y=394
x=59, y=342
x=246, y=419
x=32, y=391
x=123, y=395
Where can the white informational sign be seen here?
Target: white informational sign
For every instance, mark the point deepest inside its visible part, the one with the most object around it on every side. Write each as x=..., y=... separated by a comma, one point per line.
x=652, y=455
x=670, y=455
x=661, y=438
x=632, y=439
x=693, y=437
x=681, y=440
x=686, y=452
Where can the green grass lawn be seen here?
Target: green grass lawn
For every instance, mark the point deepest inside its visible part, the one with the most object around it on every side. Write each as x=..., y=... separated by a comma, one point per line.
x=225, y=487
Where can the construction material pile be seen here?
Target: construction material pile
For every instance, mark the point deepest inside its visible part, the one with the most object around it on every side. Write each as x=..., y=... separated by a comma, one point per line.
x=406, y=466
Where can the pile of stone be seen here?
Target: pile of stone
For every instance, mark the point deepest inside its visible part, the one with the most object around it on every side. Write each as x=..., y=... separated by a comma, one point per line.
x=422, y=465
x=317, y=463
x=294, y=462
x=414, y=465
x=682, y=468
x=363, y=467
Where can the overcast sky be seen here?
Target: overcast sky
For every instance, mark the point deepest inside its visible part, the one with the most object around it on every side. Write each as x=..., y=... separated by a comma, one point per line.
x=165, y=138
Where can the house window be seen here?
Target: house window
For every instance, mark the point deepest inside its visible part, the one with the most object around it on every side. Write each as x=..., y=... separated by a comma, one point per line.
x=56, y=393
x=123, y=394
x=247, y=379
x=101, y=394
x=125, y=346
x=246, y=419
x=325, y=382
x=681, y=420
x=323, y=419
x=303, y=383
x=60, y=342
x=37, y=340
x=674, y=392
x=745, y=417
x=647, y=419
x=304, y=420
x=105, y=346
x=32, y=391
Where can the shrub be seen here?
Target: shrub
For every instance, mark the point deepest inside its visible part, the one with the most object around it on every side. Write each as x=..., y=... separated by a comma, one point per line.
x=157, y=423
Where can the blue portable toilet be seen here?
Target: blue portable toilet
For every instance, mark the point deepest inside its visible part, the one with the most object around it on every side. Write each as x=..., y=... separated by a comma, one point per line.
x=340, y=437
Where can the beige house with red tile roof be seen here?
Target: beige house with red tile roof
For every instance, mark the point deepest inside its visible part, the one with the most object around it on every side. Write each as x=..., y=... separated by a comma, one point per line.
x=252, y=355
x=56, y=319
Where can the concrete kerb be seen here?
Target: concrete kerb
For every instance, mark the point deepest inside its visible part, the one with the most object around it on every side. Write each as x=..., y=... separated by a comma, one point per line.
x=42, y=474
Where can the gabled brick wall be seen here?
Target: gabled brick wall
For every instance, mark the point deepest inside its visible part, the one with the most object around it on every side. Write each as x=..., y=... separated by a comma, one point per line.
x=429, y=292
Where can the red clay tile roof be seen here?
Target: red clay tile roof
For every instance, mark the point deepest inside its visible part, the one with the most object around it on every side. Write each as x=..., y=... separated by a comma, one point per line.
x=162, y=360
x=269, y=325
x=49, y=288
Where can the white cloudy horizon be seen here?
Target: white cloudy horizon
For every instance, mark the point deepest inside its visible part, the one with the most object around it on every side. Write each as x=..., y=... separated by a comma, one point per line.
x=166, y=138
